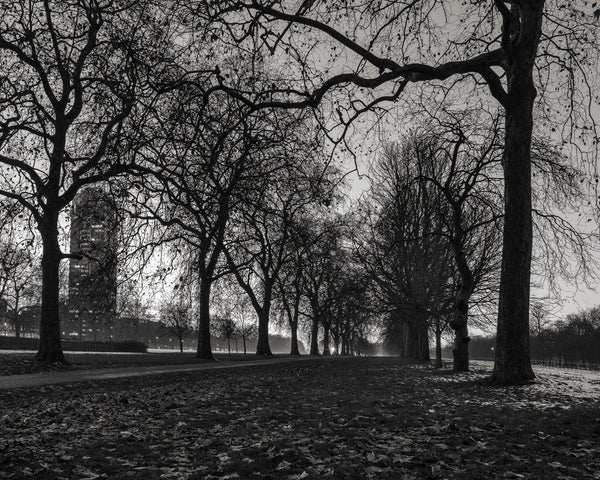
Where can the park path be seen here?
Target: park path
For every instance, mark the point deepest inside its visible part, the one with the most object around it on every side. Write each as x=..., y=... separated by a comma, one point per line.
x=74, y=376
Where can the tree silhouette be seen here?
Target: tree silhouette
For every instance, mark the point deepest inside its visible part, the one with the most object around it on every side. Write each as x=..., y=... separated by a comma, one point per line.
x=71, y=79
x=369, y=53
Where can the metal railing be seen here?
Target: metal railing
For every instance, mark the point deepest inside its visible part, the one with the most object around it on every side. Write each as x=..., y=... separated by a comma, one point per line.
x=569, y=365
x=541, y=363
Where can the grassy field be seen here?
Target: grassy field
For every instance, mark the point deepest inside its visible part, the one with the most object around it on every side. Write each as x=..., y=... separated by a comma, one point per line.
x=22, y=362
x=340, y=418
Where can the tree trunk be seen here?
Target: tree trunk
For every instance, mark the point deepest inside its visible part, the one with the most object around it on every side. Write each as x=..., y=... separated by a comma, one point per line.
x=460, y=313
x=293, y=313
x=263, y=311
x=181, y=345
x=229, y=345
x=294, y=346
x=326, y=351
x=336, y=340
x=314, y=336
x=50, y=348
x=438, y=344
x=204, y=348
x=244, y=342
x=262, y=346
x=460, y=326
x=513, y=365
x=461, y=348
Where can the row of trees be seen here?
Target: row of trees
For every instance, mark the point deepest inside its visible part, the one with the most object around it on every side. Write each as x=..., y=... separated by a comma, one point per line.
x=319, y=289
x=572, y=340
x=110, y=93
x=529, y=59
x=434, y=242
x=18, y=262
x=228, y=166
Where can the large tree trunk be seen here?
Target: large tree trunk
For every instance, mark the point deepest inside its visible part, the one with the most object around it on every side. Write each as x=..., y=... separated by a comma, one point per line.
x=336, y=340
x=294, y=350
x=460, y=327
x=204, y=348
x=512, y=363
x=438, y=344
x=50, y=348
x=293, y=321
x=262, y=346
x=512, y=338
x=460, y=314
x=326, y=351
x=314, y=336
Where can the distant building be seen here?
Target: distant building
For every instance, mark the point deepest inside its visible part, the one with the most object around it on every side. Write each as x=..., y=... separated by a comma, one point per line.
x=93, y=279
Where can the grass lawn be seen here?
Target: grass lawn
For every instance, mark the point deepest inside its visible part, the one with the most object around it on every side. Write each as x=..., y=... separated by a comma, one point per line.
x=22, y=362
x=350, y=418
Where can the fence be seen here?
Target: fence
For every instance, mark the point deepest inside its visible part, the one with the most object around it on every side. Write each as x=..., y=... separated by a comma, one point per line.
x=573, y=366
x=542, y=363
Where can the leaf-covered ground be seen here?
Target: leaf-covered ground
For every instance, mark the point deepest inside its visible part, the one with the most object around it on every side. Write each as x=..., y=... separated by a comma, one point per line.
x=22, y=362
x=328, y=419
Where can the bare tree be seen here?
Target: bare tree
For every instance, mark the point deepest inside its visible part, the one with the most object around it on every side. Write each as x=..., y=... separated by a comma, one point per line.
x=539, y=318
x=231, y=302
x=194, y=166
x=404, y=250
x=289, y=294
x=176, y=318
x=72, y=78
x=349, y=312
x=322, y=239
x=263, y=240
x=521, y=51
x=461, y=161
x=304, y=267
x=225, y=328
x=19, y=277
